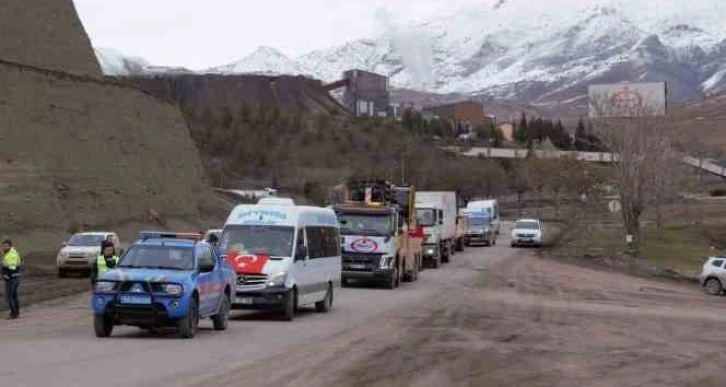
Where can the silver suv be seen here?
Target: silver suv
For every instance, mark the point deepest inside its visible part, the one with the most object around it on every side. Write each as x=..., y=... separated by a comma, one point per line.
x=82, y=249
x=713, y=275
x=527, y=232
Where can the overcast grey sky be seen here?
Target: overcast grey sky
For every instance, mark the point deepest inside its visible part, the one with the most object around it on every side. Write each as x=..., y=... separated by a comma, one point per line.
x=203, y=33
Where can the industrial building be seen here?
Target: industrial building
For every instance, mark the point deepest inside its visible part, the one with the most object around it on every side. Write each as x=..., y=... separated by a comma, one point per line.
x=366, y=94
x=466, y=115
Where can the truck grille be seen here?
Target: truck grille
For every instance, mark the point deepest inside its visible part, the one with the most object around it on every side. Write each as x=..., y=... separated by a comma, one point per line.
x=251, y=279
x=361, y=262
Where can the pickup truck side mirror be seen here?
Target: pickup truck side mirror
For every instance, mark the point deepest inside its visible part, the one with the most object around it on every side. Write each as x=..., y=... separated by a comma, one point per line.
x=64, y=244
x=206, y=267
x=301, y=252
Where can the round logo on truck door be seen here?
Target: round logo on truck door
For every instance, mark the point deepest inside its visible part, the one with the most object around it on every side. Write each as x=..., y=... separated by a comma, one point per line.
x=364, y=245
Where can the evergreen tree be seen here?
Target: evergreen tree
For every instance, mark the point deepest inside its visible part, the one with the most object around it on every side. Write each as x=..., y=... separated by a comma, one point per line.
x=495, y=136
x=522, y=132
x=581, y=140
x=564, y=141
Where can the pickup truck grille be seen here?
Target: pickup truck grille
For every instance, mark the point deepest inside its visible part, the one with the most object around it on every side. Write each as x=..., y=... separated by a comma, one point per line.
x=251, y=279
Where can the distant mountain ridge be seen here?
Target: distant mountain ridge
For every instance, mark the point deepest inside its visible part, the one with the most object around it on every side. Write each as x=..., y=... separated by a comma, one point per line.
x=532, y=52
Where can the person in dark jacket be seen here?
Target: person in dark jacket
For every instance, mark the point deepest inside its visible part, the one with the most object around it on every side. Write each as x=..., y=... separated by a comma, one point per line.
x=11, y=263
x=106, y=261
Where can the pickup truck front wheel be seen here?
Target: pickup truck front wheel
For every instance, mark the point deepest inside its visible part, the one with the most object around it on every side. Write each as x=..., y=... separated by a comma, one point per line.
x=102, y=326
x=189, y=324
x=221, y=319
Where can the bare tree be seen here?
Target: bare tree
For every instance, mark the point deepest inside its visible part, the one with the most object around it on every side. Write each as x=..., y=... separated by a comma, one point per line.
x=643, y=155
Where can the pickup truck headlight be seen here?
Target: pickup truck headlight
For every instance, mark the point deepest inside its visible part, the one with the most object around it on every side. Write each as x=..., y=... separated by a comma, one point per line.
x=277, y=280
x=106, y=286
x=172, y=289
x=386, y=262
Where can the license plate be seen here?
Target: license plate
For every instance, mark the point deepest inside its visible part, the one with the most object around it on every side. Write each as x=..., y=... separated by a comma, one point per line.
x=136, y=300
x=357, y=266
x=244, y=300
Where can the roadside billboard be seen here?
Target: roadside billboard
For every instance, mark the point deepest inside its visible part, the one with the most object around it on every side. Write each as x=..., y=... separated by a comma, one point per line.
x=627, y=99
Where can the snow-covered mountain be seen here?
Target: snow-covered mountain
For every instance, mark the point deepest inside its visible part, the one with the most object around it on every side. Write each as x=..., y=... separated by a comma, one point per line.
x=538, y=51
x=115, y=63
x=264, y=60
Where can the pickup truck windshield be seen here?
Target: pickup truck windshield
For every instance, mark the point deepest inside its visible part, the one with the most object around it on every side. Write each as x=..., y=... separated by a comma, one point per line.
x=158, y=257
x=86, y=240
x=525, y=226
x=371, y=225
x=425, y=217
x=276, y=241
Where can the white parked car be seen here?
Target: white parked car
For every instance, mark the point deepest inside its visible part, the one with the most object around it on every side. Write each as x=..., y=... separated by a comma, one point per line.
x=713, y=275
x=82, y=249
x=527, y=232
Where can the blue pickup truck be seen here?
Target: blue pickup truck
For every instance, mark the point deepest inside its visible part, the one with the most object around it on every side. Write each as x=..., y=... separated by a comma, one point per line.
x=165, y=280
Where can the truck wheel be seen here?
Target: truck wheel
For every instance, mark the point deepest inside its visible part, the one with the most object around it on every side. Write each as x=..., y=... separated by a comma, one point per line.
x=435, y=262
x=713, y=287
x=188, y=325
x=445, y=253
x=102, y=326
x=327, y=302
x=392, y=280
x=221, y=319
x=62, y=273
x=288, y=311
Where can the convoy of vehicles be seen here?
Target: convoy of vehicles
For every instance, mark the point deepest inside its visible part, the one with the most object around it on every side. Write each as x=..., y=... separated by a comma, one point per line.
x=527, y=232
x=436, y=211
x=378, y=230
x=164, y=280
x=284, y=256
x=81, y=250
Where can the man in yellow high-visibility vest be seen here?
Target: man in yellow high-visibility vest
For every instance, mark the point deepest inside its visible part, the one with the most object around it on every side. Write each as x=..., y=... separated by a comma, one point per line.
x=106, y=261
x=11, y=263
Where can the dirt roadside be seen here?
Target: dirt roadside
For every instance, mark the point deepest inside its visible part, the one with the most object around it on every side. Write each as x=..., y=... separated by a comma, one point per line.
x=527, y=321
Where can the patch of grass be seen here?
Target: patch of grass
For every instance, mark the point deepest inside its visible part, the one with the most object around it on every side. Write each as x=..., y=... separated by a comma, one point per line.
x=676, y=247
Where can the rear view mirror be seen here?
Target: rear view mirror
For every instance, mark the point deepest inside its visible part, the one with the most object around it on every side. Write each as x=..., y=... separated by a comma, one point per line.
x=64, y=244
x=301, y=253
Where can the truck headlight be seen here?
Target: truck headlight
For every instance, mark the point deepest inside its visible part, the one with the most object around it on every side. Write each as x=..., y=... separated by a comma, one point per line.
x=106, y=286
x=429, y=251
x=172, y=289
x=278, y=279
x=386, y=262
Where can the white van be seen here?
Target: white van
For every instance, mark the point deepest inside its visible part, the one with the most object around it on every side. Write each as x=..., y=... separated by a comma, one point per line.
x=491, y=207
x=285, y=256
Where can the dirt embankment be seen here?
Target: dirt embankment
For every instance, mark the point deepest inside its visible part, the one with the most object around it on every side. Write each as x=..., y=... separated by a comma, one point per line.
x=199, y=94
x=78, y=150
x=47, y=34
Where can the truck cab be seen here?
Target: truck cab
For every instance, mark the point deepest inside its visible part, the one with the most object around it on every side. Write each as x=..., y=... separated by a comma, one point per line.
x=431, y=219
x=378, y=238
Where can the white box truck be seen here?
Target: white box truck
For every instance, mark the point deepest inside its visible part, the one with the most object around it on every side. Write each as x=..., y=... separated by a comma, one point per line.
x=436, y=212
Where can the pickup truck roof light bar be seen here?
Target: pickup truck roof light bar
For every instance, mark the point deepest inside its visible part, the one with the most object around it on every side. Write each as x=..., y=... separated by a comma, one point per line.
x=195, y=236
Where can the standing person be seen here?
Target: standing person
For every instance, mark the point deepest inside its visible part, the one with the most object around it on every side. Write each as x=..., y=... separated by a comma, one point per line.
x=106, y=261
x=11, y=263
